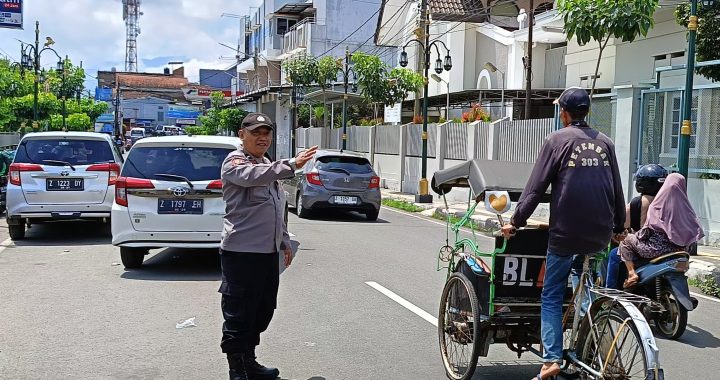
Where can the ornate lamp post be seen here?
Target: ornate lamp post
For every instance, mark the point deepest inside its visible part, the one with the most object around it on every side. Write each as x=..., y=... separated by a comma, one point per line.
x=424, y=196
x=346, y=71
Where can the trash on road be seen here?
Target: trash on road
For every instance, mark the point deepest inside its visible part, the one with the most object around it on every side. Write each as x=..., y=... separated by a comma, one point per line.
x=114, y=264
x=186, y=323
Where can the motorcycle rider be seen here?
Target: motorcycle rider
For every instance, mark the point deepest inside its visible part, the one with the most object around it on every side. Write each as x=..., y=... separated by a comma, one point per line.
x=671, y=225
x=648, y=180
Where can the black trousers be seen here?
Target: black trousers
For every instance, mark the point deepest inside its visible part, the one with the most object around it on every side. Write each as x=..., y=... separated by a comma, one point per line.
x=249, y=297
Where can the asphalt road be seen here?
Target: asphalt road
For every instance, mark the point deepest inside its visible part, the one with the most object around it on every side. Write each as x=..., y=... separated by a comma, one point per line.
x=68, y=310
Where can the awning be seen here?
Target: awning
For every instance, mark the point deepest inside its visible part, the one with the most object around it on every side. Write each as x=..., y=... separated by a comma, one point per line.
x=332, y=96
x=293, y=8
x=465, y=98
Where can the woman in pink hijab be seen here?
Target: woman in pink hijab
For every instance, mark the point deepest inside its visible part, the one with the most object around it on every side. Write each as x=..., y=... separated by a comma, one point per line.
x=671, y=226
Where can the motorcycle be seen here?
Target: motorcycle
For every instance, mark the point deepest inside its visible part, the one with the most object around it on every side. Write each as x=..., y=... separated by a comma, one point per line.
x=663, y=281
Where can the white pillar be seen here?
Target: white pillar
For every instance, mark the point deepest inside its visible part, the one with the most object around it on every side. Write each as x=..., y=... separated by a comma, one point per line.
x=441, y=145
x=626, y=133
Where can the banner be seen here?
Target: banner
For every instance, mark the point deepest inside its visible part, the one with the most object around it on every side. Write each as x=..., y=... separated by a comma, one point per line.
x=102, y=94
x=202, y=94
x=393, y=113
x=11, y=15
x=183, y=112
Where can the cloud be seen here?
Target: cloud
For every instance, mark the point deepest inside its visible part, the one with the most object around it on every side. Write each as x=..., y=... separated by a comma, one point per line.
x=93, y=31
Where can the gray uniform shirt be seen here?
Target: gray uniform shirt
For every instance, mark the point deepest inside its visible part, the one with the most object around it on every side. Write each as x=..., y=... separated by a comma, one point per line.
x=254, y=204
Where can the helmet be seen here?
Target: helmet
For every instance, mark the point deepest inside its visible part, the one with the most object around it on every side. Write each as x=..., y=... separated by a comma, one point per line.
x=649, y=178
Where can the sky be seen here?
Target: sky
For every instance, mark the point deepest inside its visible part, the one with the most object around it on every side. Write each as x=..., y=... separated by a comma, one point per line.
x=93, y=31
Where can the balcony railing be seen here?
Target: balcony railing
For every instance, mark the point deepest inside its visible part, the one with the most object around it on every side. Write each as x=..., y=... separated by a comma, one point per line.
x=298, y=36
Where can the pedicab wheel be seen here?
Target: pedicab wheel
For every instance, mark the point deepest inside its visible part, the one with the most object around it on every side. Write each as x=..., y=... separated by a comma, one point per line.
x=671, y=324
x=458, y=320
x=614, y=347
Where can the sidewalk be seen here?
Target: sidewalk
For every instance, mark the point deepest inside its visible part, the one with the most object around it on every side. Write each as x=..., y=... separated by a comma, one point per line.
x=707, y=261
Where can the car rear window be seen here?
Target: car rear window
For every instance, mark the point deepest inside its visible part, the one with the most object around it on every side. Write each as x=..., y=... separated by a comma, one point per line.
x=72, y=151
x=354, y=165
x=137, y=133
x=194, y=163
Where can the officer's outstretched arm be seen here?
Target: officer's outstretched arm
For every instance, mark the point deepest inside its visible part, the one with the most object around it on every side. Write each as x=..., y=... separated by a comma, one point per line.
x=240, y=171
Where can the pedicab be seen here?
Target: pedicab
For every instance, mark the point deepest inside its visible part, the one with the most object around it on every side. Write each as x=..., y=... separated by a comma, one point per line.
x=494, y=297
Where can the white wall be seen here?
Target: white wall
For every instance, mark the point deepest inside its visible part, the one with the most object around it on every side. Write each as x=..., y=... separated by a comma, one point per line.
x=704, y=196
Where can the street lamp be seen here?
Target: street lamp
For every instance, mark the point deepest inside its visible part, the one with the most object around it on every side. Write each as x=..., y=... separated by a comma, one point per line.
x=440, y=65
x=686, y=129
x=346, y=70
x=490, y=67
x=447, y=102
x=30, y=59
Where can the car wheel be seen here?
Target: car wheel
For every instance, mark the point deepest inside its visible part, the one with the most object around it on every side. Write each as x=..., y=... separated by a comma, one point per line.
x=372, y=214
x=132, y=257
x=302, y=212
x=17, y=231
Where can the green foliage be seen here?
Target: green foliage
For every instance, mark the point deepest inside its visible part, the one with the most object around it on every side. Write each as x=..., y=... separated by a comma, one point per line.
x=401, y=205
x=74, y=79
x=218, y=118
x=600, y=20
x=200, y=130
x=318, y=112
x=708, y=35
x=327, y=71
x=231, y=118
x=301, y=70
x=707, y=285
x=380, y=84
x=73, y=122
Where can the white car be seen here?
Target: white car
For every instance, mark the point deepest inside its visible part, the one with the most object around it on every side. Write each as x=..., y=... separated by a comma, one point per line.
x=61, y=176
x=169, y=194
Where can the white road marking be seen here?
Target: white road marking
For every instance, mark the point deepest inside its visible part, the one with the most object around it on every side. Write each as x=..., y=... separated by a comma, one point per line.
x=8, y=242
x=705, y=297
x=403, y=302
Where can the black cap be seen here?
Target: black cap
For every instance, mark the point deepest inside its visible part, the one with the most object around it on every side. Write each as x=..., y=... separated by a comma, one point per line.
x=574, y=99
x=256, y=120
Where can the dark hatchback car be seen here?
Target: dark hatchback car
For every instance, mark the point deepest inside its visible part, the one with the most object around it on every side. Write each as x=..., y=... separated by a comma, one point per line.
x=335, y=180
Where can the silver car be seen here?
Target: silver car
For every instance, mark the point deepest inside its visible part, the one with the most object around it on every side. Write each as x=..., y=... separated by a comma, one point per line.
x=61, y=176
x=335, y=180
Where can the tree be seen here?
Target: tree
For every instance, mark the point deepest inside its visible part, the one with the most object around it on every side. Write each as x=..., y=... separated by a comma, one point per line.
x=73, y=122
x=231, y=118
x=301, y=70
x=600, y=20
x=326, y=73
x=74, y=80
x=379, y=84
x=708, y=35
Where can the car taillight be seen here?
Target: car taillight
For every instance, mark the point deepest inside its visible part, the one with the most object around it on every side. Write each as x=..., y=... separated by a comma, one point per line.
x=374, y=182
x=313, y=179
x=682, y=266
x=216, y=184
x=124, y=183
x=113, y=170
x=17, y=168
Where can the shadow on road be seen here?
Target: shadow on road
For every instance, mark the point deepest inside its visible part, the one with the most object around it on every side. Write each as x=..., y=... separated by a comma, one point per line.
x=699, y=338
x=342, y=216
x=66, y=234
x=178, y=265
x=510, y=369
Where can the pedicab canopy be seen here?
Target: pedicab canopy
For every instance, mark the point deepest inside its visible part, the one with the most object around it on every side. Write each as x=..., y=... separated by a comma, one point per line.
x=484, y=175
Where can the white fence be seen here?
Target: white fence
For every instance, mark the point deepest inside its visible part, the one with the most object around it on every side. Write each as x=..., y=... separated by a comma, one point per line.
x=396, y=150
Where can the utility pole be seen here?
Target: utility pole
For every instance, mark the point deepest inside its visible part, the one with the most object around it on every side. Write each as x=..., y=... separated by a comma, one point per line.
x=528, y=62
x=36, y=63
x=686, y=129
x=116, y=103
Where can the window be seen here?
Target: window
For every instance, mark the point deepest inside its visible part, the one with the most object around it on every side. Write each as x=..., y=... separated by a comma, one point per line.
x=161, y=116
x=677, y=122
x=351, y=165
x=74, y=151
x=194, y=163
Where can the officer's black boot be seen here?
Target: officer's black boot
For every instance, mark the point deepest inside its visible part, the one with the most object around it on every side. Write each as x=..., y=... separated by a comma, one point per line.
x=257, y=371
x=238, y=367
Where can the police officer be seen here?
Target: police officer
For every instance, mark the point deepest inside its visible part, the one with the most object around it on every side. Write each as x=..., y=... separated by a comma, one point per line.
x=254, y=234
